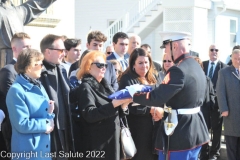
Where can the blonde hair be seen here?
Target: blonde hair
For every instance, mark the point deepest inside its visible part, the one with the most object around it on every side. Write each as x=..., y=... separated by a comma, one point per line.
x=87, y=62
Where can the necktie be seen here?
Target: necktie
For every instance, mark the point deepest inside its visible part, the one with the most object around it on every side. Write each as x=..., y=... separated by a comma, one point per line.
x=210, y=75
x=124, y=67
x=237, y=72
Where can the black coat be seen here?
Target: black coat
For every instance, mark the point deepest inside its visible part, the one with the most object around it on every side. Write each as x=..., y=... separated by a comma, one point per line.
x=140, y=123
x=49, y=82
x=208, y=103
x=183, y=87
x=99, y=120
x=157, y=66
x=7, y=77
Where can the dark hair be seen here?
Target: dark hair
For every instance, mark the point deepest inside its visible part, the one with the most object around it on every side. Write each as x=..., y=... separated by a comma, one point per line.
x=150, y=76
x=25, y=59
x=145, y=45
x=83, y=54
x=97, y=36
x=47, y=41
x=19, y=36
x=119, y=35
x=71, y=43
x=236, y=47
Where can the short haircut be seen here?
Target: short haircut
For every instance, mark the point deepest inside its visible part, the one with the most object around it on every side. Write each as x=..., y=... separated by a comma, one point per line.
x=47, y=41
x=87, y=62
x=97, y=36
x=71, y=43
x=236, y=47
x=19, y=36
x=235, y=51
x=145, y=45
x=119, y=35
x=25, y=58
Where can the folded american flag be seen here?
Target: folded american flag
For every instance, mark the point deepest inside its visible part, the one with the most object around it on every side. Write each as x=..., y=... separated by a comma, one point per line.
x=123, y=93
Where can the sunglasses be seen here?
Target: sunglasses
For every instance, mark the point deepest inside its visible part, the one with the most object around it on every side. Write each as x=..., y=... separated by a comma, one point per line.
x=118, y=71
x=109, y=52
x=40, y=64
x=60, y=51
x=214, y=50
x=100, y=65
x=164, y=61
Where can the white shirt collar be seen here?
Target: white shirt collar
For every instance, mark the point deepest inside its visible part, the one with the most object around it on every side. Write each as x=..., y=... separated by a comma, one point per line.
x=118, y=57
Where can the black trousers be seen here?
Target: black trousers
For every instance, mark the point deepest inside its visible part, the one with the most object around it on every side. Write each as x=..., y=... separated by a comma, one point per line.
x=233, y=147
x=216, y=123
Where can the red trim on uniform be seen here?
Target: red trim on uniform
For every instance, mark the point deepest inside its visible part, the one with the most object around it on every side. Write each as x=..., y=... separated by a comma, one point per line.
x=166, y=79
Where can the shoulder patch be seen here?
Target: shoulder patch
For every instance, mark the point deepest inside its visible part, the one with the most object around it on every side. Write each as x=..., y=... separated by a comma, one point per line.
x=166, y=79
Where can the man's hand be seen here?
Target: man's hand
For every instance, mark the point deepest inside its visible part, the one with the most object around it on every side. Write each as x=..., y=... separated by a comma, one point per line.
x=51, y=106
x=225, y=113
x=157, y=113
x=134, y=88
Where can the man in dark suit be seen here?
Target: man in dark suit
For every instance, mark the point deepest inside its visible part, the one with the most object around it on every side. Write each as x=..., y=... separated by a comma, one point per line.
x=8, y=74
x=120, y=44
x=54, y=80
x=147, y=48
x=228, y=99
x=211, y=68
x=95, y=41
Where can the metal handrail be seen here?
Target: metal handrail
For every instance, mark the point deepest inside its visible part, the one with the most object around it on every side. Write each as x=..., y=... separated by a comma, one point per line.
x=130, y=18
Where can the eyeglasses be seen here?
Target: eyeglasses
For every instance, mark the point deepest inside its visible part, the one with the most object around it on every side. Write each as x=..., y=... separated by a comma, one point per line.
x=214, y=50
x=109, y=52
x=164, y=61
x=118, y=71
x=40, y=64
x=60, y=51
x=100, y=65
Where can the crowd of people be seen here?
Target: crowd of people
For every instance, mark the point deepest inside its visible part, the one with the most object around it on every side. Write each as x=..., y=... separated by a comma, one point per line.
x=54, y=103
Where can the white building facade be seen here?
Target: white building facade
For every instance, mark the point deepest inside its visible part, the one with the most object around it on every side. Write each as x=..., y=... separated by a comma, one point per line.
x=209, y=21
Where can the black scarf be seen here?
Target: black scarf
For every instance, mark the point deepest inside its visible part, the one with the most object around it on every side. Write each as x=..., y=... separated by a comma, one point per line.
x=33, y=81
x=102, y=88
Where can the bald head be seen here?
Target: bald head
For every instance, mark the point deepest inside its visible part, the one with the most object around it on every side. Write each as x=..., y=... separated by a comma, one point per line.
x=134, y=42
x=213, y=52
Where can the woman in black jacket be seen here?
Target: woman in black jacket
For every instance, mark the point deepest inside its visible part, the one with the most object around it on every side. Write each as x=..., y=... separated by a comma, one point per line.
x=140, y=119
x=99, y=116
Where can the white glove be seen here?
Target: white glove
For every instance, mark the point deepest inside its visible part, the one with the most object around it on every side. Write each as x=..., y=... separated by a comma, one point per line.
x=134, y=88
x=2, y=116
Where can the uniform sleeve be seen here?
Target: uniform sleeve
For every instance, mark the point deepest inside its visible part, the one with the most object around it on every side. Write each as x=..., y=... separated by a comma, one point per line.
x=221, y=92
x=19, y=114
x=88, y=109
x=173, y=83
x=31, y=9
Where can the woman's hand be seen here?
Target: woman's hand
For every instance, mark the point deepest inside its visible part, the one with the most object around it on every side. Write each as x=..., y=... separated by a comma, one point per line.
x=123, y=102
x=51, y=106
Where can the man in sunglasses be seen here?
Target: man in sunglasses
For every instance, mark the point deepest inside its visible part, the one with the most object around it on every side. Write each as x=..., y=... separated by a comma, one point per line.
x=109, y=50
x=183, y=129
x=211, y=68
x=19, y=42
x=54, y=80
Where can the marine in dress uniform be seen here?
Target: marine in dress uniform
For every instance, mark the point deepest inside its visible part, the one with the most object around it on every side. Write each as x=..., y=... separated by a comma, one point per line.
x=183, y=89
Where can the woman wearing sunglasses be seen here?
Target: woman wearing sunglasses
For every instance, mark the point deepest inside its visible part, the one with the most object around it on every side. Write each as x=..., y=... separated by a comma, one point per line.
x=30, y=110
x=167, y=63
x=140, y=118
x=99, y=116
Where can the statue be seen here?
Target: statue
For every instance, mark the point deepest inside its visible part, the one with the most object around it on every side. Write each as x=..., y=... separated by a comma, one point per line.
x=12, y=20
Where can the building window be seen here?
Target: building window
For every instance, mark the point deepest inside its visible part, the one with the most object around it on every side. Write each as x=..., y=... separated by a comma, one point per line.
x=233, y=32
